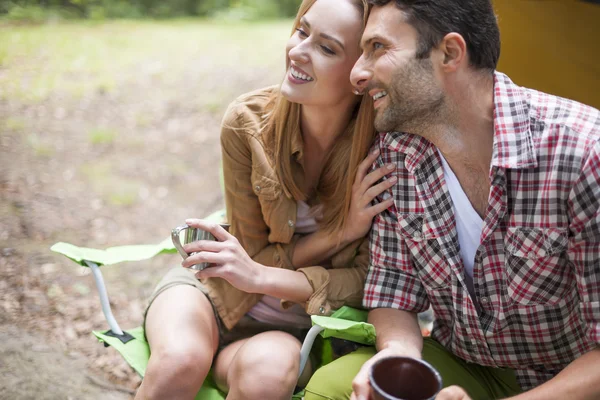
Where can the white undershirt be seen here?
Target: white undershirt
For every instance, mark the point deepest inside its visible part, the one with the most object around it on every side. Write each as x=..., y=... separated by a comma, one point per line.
x=468, y=223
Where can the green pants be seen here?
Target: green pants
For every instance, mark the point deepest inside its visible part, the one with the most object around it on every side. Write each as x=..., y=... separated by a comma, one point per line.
x=334, y=380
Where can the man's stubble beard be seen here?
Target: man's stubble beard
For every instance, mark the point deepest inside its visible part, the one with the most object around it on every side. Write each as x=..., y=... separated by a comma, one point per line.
x=415, y=102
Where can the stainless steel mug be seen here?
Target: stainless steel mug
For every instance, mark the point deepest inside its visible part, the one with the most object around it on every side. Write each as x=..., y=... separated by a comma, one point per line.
x=404, y=378
x=192, y=235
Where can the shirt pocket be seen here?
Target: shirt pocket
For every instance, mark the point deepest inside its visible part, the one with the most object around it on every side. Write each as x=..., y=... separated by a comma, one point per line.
x=429, y=264
x=537, y=270
x=273, y=207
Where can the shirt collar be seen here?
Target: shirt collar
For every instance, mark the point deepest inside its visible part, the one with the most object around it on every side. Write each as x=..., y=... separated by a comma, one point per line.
x=297, y=148
x=513, y=141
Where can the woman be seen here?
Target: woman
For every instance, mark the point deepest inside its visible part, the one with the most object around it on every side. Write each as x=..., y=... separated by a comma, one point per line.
x=298, y=201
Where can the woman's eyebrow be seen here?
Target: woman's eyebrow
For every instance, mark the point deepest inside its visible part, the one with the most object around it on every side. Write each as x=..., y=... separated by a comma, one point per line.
x=304, y=21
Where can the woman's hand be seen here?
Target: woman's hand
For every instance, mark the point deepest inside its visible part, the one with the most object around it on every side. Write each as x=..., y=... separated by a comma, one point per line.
x=364, y=191
x=230, y=261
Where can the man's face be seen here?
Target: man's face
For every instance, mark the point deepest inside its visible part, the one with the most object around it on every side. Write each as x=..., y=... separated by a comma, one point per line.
x=405, y=90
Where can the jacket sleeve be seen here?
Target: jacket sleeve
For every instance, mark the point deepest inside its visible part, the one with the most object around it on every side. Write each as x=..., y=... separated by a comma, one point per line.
x=335, y=287
x=239, y=132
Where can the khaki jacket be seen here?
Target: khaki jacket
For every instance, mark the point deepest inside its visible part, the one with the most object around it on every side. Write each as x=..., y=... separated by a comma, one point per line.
x=263, y=219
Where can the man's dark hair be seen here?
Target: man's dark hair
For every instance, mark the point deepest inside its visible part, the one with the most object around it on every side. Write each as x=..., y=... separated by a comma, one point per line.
x=474, y=20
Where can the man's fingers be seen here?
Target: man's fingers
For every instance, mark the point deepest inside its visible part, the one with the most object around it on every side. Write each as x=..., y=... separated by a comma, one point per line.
x=452, y=393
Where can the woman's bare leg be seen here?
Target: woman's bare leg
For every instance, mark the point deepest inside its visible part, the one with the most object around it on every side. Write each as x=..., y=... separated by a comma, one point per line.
x=264, y=366
x=183, y=335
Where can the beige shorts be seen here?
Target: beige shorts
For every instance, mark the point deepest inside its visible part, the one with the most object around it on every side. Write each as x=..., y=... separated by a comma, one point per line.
x=245, y=328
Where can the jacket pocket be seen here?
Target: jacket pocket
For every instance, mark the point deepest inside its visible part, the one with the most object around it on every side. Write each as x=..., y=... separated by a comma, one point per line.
x=537, y=270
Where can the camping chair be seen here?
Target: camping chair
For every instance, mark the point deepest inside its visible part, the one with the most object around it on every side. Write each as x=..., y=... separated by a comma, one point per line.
x=346, y=323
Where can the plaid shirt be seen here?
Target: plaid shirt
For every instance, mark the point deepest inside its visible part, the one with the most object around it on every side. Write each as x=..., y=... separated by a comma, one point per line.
x=537, y=269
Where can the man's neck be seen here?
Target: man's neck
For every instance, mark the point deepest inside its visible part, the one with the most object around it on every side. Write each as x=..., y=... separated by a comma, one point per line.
x=465, y=135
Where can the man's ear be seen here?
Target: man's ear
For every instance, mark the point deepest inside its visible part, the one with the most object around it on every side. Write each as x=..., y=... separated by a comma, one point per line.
x=454, y=50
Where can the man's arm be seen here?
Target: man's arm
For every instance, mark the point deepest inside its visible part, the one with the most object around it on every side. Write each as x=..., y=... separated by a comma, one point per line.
x=398, y=331
x=579, y=380
x=398, y=334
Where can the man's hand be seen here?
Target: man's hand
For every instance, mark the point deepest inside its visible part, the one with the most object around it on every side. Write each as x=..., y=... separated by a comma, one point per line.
x=361, y=389
x=452, y=393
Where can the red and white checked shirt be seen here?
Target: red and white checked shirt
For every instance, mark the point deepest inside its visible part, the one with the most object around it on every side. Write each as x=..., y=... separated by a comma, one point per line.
x=537, y=268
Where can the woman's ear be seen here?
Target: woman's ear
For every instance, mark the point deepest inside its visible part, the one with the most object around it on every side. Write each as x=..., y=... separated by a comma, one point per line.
x=454, y=50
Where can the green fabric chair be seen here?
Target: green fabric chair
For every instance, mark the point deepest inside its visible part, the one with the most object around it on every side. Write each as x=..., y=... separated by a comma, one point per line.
x=346, y=323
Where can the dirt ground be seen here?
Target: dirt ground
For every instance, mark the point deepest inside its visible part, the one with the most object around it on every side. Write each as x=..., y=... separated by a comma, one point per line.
x=111, y=165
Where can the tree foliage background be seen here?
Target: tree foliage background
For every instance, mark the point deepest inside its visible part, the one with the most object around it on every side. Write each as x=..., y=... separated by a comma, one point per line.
x=40, y=10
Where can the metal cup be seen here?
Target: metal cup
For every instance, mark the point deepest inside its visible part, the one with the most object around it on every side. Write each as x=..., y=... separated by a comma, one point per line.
x=404, y=378
x=192, y=235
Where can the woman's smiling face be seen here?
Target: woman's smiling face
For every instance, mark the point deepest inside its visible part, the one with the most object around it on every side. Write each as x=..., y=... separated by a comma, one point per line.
x=321, y=54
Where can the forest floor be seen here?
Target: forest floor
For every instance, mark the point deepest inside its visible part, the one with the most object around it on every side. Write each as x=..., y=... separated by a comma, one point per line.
x=109, y=135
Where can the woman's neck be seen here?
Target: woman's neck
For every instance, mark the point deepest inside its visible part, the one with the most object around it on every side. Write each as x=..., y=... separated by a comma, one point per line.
x=321, y=127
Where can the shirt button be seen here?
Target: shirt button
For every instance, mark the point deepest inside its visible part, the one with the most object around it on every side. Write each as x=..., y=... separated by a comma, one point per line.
x=290, y=223
x=417, y=234
x=322, y=310
x=485, y=300
x=257, y=188
x=276, y=257
x=531, y=254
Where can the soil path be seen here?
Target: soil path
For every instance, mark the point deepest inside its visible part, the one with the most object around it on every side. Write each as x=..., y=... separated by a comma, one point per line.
x=109, y=166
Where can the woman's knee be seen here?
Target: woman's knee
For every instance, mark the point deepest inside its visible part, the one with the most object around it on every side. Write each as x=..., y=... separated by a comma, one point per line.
x=266, y=367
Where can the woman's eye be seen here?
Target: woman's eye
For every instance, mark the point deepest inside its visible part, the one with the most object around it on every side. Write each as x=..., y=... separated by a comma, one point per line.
x=301, y=32
x=327, y=50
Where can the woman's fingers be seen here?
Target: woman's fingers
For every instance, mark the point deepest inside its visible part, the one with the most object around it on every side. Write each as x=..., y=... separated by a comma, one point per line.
x=374, y=176
x=204, y=256
x=379, y=207
x=204, y=245
x=364, y=166
x=379, y=188
x=217, y=230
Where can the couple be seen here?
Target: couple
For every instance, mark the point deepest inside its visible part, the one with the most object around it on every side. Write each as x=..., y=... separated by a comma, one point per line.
x=482, y=200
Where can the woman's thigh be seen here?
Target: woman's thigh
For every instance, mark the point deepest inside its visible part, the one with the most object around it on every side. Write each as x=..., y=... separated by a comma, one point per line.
x=182, y=316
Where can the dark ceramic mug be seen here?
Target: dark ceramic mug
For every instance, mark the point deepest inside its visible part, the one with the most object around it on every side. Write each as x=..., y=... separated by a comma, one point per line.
x=404, y=378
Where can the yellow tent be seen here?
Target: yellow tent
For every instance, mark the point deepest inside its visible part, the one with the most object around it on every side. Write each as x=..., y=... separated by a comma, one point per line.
x=552, y=46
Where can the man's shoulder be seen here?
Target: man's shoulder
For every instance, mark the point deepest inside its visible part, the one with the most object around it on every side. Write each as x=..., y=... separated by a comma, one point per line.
x=550, y=111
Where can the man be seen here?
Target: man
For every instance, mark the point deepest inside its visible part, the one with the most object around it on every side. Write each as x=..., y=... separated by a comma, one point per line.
x=496, y=215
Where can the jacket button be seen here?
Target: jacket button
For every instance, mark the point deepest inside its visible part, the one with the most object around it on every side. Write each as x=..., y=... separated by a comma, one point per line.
x=257, y=188
x=290, y=223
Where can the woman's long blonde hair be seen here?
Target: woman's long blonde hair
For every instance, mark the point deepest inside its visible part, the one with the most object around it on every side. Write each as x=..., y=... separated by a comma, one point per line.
x=334, y=189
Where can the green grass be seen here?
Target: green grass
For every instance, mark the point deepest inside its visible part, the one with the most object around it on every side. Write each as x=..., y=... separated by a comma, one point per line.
x=114, y=189
x=78, y=58
x=101, y=136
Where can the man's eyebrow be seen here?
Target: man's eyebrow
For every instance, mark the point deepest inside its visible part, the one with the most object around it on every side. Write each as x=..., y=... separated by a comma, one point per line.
x=304, y=21
x=370, y=40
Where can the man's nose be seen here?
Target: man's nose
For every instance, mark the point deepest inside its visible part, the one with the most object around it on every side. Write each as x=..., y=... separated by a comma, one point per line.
x=360, y=76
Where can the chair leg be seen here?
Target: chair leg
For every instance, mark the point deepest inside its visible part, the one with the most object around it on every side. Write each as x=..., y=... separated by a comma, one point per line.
x=112, y=322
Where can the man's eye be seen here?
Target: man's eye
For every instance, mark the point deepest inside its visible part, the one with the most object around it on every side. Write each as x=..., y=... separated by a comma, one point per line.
x=377, y=45
x=301, y=32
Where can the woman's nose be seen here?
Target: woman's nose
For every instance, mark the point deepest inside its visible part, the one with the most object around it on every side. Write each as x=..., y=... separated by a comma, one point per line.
x=360, y=76
x=298, y=53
